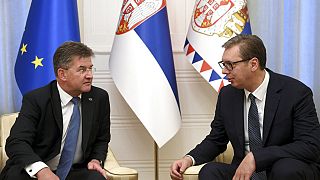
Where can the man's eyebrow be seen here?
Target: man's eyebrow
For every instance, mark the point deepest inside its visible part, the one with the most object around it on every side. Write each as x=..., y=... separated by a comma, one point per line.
x=81, y=66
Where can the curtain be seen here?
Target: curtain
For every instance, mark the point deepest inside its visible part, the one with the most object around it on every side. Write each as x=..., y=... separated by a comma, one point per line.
x=13, y=16
x=289, y=29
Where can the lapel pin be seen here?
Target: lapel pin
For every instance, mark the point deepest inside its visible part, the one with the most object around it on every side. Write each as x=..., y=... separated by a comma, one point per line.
x=90, y=99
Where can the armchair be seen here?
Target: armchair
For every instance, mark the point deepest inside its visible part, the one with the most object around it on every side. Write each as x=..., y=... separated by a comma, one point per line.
x=192, y=172
x=113, y=169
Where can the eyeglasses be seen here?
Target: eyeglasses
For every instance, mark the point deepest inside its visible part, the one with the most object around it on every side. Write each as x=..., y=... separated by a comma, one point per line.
x=229, y=65
x=84, y=70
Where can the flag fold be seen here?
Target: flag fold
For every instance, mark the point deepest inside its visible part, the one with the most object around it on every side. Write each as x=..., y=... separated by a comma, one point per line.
x=142, y=67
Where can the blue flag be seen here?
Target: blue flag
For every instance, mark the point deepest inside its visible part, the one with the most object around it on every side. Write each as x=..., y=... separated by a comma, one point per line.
x=49, y=24
x=142, y=67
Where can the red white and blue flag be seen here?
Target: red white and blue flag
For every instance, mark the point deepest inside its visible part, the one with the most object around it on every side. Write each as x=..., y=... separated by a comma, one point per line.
x=214, y=22
x=142, y=67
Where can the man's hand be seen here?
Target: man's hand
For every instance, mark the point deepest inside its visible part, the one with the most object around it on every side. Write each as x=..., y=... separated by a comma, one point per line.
x=46, y=174
x=95, y=165
x=179, y=166
x=246, y=168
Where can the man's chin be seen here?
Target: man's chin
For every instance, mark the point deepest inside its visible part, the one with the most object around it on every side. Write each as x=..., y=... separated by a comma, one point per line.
x=236, y=85
x=86, y=88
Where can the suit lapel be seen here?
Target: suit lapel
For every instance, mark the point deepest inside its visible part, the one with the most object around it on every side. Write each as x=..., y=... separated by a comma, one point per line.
x=238, y=116
x=271, y=104
x=87, y=108
x=56, y=105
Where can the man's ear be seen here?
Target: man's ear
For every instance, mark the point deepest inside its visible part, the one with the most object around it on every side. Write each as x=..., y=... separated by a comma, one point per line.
x=254, y=62
x=61, y=73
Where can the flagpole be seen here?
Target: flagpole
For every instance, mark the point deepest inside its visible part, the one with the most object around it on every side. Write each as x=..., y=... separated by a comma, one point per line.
x=156, y=168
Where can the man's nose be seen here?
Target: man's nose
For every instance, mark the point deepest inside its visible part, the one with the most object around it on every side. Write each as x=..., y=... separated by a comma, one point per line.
x=89, y=74
x=225, y=71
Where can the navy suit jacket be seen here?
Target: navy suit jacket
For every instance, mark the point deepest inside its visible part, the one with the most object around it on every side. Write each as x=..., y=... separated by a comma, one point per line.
x=37, y=132
x=290, y=125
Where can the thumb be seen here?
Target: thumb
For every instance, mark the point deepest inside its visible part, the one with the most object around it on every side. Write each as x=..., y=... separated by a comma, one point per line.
x=183, y=168
x=90, y=166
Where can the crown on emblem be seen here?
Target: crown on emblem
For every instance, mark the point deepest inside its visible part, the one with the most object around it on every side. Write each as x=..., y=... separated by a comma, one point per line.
x=135, y=12
x=220, y=17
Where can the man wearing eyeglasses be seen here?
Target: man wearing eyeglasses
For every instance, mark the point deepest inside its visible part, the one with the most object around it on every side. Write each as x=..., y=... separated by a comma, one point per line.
x=270, y=120
x=63, y=129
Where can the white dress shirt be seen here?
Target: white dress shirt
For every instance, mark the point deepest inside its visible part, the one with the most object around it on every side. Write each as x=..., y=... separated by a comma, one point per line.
x=67, y=109
x=260, y=94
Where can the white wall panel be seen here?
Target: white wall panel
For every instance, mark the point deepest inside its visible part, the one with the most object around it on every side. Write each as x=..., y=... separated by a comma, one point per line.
x=176, y=13
x=100, y=21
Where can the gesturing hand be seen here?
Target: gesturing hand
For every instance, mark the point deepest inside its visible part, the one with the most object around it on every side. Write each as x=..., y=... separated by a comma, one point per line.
x=95, y=165
x=246, y=168
x=179, y=166
x=46, y=174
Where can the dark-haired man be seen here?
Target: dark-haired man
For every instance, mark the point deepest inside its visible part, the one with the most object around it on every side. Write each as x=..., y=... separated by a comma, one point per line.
x=63, y=129
x=270, y=120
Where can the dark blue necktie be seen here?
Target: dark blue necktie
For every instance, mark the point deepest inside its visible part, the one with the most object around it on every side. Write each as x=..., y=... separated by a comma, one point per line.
x=70, y=144
x=255, y=141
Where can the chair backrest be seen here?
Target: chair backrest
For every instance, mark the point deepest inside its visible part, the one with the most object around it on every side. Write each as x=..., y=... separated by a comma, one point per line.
x=6, y=122
x=226, y=156
x=110, y=161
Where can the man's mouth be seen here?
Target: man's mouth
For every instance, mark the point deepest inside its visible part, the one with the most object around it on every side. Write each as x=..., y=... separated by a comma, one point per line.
x=230, y=79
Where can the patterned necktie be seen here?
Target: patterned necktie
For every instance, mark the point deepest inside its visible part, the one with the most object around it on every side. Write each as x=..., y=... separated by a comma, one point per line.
x=254, y=134
x=70, y=144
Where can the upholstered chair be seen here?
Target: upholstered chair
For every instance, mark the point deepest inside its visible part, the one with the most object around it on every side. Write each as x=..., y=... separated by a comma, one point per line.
x=113, y=170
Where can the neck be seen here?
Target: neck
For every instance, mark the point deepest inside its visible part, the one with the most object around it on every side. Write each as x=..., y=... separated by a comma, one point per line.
x=68, y=90
x=257, y=80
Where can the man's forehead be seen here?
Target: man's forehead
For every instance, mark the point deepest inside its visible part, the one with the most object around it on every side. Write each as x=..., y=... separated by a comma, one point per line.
x=232, y=52
x=81, y=61
x=232, y=49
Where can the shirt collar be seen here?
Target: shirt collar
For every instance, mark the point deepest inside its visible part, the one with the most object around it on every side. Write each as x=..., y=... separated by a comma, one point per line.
x=260, y=92
x=64, y=96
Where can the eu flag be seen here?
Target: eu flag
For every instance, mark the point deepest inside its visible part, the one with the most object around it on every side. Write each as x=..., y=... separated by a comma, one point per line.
x=49, y=24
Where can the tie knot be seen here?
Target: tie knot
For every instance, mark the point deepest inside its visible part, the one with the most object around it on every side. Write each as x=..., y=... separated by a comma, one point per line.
x=251, y=97
x=75, y=100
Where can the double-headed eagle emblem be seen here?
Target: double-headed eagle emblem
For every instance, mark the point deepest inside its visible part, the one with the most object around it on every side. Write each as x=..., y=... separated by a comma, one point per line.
x=220, y=17
x=134, y=12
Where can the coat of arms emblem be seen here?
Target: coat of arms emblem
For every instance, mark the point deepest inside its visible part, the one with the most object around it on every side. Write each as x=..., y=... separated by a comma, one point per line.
x=134, y=12
x=220, y=17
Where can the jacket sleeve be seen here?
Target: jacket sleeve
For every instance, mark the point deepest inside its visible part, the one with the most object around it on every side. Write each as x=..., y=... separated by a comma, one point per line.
x=19, y=143
x=215, y=142
x=99, y=146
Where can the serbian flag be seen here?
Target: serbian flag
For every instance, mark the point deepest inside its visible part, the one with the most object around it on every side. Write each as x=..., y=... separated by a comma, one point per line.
x=50, y=23
x=213, y=23
x=142, y=67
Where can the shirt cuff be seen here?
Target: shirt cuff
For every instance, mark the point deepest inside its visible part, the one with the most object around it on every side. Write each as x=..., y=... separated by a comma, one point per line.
x=193, y=161
x=34, y=168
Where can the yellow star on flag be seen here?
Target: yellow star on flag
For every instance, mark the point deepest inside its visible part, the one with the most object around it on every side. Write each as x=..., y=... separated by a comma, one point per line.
x=37, y=62
x=24, y=48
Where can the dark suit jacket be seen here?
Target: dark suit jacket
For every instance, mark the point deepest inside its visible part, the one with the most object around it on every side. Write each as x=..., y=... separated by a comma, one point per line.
x=37, y=132
x=290, y=125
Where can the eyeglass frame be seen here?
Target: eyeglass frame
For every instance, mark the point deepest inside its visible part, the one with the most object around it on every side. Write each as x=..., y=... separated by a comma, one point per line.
x=231, y=64
x=83, y=70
